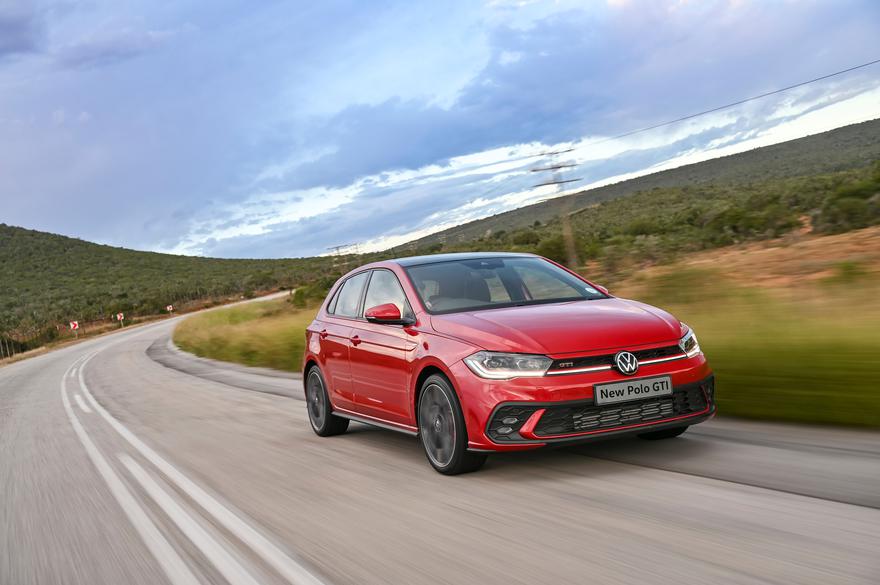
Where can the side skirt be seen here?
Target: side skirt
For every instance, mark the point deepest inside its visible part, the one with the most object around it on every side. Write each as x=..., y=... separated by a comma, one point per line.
x=368, y=420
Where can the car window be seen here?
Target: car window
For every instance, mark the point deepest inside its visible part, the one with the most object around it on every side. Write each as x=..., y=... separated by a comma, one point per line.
x=348, y=303
x=486, y=283
x=385, y=288
x=331, y=306
x=541, y=287
x=491, y=288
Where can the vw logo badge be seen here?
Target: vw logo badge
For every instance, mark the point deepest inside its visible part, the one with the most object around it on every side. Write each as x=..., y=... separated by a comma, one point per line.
x=626, y=363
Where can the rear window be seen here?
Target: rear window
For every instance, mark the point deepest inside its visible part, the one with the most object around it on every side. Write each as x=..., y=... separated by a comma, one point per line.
x=348, y=300
x=486, y=283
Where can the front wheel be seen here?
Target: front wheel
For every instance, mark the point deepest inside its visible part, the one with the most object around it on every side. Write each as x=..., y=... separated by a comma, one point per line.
x=664, y=434
x=442, y=429
x=324, y=422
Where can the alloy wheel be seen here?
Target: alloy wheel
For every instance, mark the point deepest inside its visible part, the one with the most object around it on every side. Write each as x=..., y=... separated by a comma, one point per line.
x=316, y=401
x=437, y=425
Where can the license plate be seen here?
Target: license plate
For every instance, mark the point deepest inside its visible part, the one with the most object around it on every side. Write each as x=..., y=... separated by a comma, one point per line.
x=632, y=390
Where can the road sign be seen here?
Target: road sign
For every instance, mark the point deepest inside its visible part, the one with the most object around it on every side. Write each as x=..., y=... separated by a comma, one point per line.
x=74, y=325
x=170, y=308
x=120, y=316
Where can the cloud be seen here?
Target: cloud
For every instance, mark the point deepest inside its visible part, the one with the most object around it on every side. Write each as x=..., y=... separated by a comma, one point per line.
x=109, y=47
x=574, y=74
x=391, y=208
x=22, y=27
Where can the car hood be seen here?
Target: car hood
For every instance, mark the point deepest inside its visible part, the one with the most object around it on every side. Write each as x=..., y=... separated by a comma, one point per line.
x=561, y=328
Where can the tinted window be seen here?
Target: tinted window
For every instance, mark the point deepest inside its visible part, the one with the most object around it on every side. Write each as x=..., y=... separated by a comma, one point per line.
x=331, y=306
x=487, y=283
x=349, y=297
x=541, y=287
x=385, y=288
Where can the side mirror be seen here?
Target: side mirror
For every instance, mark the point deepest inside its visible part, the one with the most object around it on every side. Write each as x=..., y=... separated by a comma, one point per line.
x=602, y=289
x=387, y=314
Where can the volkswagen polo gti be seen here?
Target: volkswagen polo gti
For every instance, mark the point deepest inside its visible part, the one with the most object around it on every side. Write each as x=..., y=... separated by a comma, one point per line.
x=484, y=352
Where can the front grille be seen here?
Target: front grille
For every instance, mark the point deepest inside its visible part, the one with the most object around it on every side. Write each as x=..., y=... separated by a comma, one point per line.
x=563, y=420
x=591, y=361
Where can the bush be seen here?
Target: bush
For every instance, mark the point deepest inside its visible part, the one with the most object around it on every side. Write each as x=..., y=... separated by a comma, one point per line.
x=525, y=237
x=553, y=248
x=846, y=213
x=847, y=272
x=643, y=226
x=298, y=298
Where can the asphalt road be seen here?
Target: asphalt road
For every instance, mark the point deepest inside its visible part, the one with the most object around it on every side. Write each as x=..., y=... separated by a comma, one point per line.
x=125, y=462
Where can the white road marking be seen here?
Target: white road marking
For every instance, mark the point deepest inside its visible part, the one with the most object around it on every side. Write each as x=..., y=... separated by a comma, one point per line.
x=175, y=569
x=288, y=567
x=73, y=373
x=231, y=570
x=82, y=405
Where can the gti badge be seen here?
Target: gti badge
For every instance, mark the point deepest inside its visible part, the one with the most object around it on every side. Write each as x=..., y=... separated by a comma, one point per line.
x=626, y=363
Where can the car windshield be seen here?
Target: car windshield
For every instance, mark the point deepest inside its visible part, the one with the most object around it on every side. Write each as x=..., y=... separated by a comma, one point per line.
x=489, y=283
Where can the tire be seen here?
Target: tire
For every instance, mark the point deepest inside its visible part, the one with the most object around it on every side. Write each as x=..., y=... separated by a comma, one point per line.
x=442, y=430
x=664, y=434
x=321, y=417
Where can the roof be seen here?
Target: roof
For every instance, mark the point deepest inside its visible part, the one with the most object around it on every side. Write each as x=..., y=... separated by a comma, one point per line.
x=433, y=258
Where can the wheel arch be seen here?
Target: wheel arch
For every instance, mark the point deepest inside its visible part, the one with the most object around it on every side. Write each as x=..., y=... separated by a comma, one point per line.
x=427, y=370
x=311, y=362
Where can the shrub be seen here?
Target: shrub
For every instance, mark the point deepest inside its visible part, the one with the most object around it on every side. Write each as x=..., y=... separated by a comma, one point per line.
x=553, y=248
x=298, y=298
x=525, y=237
x=846, y=213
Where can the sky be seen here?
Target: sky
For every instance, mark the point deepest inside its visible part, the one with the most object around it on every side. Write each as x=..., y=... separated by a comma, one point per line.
x=280, y=129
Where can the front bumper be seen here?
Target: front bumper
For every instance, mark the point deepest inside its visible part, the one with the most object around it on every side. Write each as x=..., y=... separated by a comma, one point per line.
x=536, y=412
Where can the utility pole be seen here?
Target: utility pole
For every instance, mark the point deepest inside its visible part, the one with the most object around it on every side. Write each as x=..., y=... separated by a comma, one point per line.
x=337, y=251
x=556, y=168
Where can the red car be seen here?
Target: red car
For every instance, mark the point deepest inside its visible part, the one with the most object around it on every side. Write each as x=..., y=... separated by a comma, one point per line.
x=483, y=352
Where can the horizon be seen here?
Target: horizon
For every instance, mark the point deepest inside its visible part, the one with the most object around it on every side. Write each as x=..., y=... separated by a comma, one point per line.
x=598, y=185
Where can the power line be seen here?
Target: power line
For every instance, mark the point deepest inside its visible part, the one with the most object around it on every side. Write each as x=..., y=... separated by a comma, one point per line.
x=736, y=103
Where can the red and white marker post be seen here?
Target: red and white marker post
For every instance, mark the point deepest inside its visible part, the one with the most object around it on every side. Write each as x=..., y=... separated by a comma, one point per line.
x=120, y=317
x=170, y=308
x=74, y=326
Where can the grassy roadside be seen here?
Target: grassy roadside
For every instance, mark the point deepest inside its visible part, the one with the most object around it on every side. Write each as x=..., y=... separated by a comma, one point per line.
x=801, y=345
x=269, y=334
x=811, y=357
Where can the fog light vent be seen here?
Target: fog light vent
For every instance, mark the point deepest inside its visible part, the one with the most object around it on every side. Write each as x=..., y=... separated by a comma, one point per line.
x=507, y=420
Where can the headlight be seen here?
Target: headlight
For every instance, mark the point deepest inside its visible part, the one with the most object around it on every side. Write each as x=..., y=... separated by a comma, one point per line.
x=503, y=366
x=689, y=344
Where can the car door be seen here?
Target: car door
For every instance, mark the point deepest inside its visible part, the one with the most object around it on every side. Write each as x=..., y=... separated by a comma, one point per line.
x=334, y=338
x=380, y=354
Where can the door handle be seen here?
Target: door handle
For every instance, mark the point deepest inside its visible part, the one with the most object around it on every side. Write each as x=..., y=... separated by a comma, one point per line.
x=323, y=334
x=355, y=340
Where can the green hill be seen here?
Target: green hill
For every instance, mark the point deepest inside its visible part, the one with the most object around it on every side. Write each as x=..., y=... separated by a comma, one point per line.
x=49, y=279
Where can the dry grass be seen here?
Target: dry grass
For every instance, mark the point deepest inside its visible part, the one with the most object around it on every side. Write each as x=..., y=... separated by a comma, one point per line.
x=792, y=331
x=269, y=334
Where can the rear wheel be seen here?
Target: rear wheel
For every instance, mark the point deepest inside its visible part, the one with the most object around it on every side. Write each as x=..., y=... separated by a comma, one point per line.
x=324, y=422
x=442, y=429
x=664, y=434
